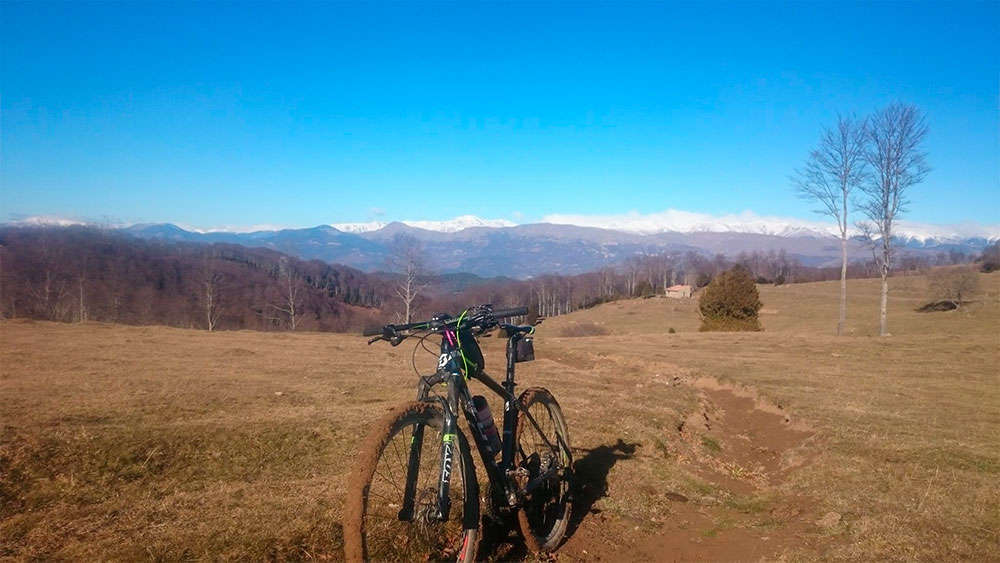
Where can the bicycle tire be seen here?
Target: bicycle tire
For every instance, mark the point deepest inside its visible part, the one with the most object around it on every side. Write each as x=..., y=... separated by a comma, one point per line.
x=544, y=516
x=369, y=530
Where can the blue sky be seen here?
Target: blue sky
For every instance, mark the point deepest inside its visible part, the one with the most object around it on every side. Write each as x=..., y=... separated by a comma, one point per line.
x=300, y=114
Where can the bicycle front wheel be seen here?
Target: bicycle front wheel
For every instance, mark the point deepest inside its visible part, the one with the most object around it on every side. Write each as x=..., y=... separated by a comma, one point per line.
x=391, y=510
x=543, y=458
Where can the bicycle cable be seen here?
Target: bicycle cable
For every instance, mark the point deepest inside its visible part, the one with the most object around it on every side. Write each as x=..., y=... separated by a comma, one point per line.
x=421, y=343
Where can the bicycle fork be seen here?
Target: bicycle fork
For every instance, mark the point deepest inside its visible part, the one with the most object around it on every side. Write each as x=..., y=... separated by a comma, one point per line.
x=449, y=449
x=412, y=471
x=448, y=452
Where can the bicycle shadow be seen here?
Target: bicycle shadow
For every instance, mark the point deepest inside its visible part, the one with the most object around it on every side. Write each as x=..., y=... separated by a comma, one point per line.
x=591, y=478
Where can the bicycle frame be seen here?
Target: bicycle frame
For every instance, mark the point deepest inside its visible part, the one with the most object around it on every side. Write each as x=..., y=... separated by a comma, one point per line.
x=459, y=398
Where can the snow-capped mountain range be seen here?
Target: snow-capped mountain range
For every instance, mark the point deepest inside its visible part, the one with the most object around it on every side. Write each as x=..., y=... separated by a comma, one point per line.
x=459, y=223
x=669, y=221
x=674, y=221
x=566, y=244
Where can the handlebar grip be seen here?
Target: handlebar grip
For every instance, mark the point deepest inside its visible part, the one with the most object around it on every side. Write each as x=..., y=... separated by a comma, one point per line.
x=372, y=331
x=514, y=312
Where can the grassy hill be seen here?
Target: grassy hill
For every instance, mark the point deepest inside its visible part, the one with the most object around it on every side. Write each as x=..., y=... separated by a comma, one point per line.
x=809, y=309
x=157, y=443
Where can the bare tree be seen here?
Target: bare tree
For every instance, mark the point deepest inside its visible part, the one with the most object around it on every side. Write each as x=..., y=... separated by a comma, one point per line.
x=81, y=283
x=632, y=267
x=3, y=251
x=407, y=258
x=81, y=286
x=832, y=171
x=3, y=312
x=897, y=163
x=51, y=296
x=49, y=288
x=211, y=282
x=290, y=286
x=953, y=285
x=607, y=282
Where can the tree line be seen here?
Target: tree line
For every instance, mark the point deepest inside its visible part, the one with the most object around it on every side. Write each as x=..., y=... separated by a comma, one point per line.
x=82, y=273
x=75, y=274
x=416, y=293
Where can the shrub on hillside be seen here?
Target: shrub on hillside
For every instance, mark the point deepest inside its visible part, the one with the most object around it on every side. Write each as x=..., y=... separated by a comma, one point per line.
x=730, y=303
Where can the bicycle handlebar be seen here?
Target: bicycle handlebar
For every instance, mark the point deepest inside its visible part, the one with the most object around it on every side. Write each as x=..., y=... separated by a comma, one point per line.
x=436, y=323
x=514, y=312
x=376, y=330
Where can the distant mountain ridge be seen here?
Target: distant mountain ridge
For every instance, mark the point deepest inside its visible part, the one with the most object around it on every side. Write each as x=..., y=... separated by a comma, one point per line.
x=491, y=248
x=450, y=226
x=523, y=251
x=683, y=222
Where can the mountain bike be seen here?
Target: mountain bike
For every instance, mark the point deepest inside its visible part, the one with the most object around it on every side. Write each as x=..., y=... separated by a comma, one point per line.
x=414, y=494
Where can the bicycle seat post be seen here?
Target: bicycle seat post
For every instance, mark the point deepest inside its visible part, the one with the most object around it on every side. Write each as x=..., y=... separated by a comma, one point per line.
x=508, y=383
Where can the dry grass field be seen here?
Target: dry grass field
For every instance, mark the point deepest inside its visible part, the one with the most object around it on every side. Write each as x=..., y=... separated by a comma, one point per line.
x=155, y=443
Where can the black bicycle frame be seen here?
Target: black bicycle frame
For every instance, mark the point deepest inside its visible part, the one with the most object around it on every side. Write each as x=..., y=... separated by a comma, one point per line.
x=458, y=396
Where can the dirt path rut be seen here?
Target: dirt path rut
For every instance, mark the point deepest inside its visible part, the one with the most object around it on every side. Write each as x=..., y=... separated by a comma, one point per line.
x=739, y=448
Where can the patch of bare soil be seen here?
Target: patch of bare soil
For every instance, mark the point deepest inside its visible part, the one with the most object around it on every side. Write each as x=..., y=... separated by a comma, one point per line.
x=696, y=537
x=748, y=443
x=736, y=443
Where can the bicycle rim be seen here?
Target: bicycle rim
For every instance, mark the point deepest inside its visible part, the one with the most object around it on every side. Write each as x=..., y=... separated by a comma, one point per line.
x=544, y=515
x=388, y=528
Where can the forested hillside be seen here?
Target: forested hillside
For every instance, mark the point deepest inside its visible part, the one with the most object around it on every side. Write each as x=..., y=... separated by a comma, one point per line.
x=77, y=273
x=74, y=274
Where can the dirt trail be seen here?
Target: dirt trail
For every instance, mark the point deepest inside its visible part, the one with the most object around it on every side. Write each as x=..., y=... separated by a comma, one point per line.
x=737, y=443
x=748, y=443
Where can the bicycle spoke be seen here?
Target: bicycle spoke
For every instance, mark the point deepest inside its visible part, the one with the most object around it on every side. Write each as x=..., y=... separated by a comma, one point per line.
x=420, y=536
x=541, y=447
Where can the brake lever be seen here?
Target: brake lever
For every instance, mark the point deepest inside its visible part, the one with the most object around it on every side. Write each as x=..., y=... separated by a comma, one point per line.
x=394, y=340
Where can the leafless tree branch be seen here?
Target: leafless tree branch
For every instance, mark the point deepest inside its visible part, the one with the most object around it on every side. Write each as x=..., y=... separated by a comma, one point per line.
x=831, y=173
x=897, y=162
x=408, y=258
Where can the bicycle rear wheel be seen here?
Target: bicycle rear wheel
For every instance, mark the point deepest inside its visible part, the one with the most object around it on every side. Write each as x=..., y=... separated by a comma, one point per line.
x=542, y=450
x=387, y=519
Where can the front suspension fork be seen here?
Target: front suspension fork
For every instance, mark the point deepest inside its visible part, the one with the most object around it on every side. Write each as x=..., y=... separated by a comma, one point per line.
x=449, y=448
x=412, y=471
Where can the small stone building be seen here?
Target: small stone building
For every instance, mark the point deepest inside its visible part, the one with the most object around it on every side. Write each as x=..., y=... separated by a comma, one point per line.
x=679, y=291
